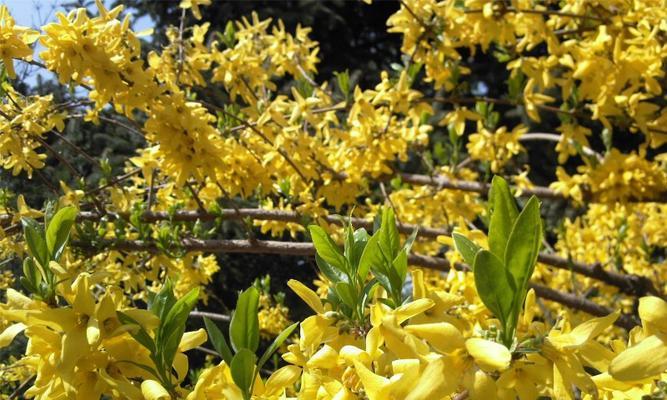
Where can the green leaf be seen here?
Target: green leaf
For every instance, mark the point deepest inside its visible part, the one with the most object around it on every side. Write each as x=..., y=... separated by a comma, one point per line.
x=503, y=214
x=523, y=248
x=383, y=279
x=466, y=247
x=218, y=340
x=326, y=248
x=407, y=246
x=31, y=272
x=142, y=366
x=371, y=256
x=400, y=265
x=389, y=238
x=277, y=342
x=172, y=328
x=348, y=233
x=28, y=285
x=243, y=370
x=345, y=293
x=359, y=244
x=34, y=235
x=244, y=327
x=333, y=274
x=494, y=284
x=58, y=231
x=140, y=335
x=368, y=292
x=164, y=300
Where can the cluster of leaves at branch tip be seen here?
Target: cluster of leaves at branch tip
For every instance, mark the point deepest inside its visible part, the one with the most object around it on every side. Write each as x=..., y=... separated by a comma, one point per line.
x=244, y=340
x=163, y=344
x=502, y=272
x=46, y=245
x=347, y=271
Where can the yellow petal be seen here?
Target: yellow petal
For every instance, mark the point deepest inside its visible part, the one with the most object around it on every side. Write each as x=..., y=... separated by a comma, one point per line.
x=325, y=358
x=311, y=298
x=350, y=353
x=411, y=309
x=152, y=390
x=281, y=379
x=443, y=336
x=434, y=382
x=584, y=332
x=190, y=340
x=489, y=356
x=483, y=387
x=93, y=332
x=375, y=386
x=643, y=360
x=84, y=302
x=8, y=335
x=74, y=346
x=653, y=313
x=181, y=365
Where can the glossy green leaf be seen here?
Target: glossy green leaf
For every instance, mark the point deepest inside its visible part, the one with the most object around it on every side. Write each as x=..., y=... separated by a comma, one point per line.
x=400, y=265
x=138, y=332
x=161, y=302
x=58, y=231
x=389, y=239
x=466, y=247
x=244, y=327
x=361, y=238
x=218, y=340
x=277, y=342
x=523, y=248
x=172, y=327
x=345, y=293
x=34, y=236
x=503, y=214
x=243, y=370
x=494, y=284
x=327, y=248
x=331, y=273
x=31, y=272
x=369, y=288
x=407, y=246
x=371, y=256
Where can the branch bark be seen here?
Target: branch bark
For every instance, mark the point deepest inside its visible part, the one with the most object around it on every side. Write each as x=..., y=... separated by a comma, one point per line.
x=307, y=249
x=634, y=285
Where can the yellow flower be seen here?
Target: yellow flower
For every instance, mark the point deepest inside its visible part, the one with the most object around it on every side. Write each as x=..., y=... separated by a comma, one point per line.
x=194, y=5
x=647, y=358
x=490, y=356
x=14, y=41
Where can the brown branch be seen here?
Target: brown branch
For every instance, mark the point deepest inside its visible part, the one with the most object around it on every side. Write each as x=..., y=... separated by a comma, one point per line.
x=629, y=284
x=307, y=249
x=472, y=186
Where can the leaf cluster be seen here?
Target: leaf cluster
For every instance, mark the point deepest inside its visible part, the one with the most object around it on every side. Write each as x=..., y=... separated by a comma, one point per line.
x=348, y=270
x=46, y=247
x=502, y=272
x=244, y=339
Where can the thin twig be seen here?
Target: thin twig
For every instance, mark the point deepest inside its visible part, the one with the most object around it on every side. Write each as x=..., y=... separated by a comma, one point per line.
x=210, y=315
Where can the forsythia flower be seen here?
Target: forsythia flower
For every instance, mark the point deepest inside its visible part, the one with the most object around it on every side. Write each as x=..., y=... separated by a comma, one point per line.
x=194, y=5
x=14, y=41
x=498, y=147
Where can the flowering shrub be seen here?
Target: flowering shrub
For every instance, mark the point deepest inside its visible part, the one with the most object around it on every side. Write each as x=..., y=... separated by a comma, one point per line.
x=442, y=282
